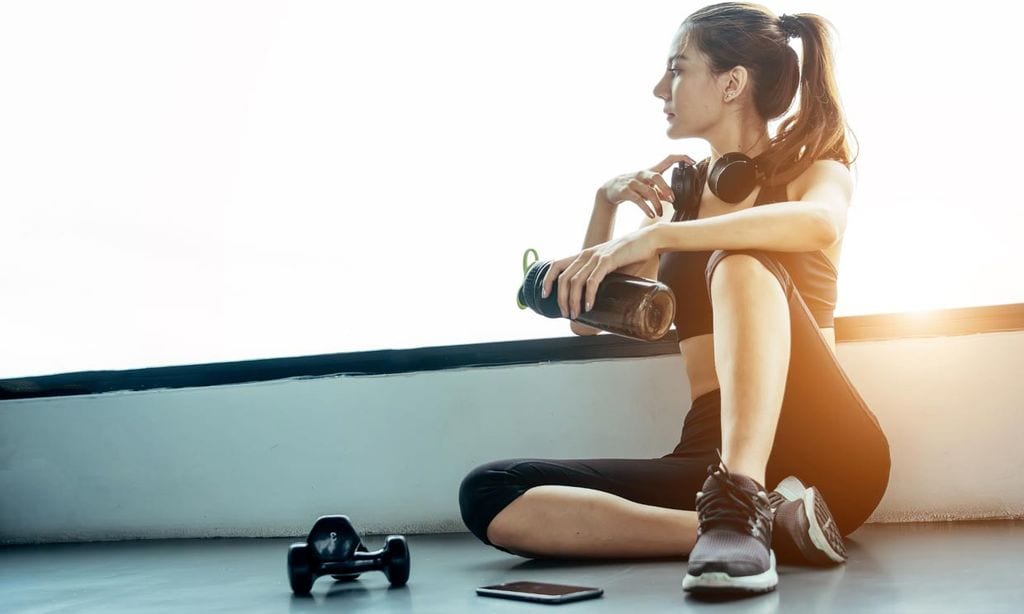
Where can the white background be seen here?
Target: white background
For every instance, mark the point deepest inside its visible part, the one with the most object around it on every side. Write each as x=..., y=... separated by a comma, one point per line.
x=188, y=182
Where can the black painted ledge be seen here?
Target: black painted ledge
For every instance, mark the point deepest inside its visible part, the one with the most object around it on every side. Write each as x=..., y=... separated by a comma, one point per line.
x=938, y=323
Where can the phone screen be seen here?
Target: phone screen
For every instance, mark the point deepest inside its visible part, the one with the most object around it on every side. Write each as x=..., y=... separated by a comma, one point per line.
x=539, y=591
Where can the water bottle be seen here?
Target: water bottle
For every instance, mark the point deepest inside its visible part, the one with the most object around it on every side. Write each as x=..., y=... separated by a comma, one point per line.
x=625, y=305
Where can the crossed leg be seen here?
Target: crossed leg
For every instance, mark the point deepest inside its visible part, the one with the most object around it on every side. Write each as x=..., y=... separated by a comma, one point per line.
x=752, y=347
x=567, y=521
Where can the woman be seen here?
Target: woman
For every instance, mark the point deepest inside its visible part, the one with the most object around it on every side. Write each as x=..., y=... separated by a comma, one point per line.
x=756, y=289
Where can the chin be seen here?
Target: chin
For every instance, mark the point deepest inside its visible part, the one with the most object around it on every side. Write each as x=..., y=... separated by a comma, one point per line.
x=675, y=133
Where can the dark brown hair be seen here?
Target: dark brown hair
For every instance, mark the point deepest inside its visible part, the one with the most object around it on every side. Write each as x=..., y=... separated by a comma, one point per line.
x=745, y=34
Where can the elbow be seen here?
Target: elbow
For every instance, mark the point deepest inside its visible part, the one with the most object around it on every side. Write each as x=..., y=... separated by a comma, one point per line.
x=827, y=232
x=831, y=223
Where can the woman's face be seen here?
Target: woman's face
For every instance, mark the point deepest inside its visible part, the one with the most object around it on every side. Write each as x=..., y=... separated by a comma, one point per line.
x=691, y=94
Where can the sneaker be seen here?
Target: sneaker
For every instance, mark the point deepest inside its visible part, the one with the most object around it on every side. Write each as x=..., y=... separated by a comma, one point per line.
x=804, y=530
x=734, y=535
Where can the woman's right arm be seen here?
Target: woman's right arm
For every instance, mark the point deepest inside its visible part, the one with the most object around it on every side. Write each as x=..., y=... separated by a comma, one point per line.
x=647, y=188
x=602, y=223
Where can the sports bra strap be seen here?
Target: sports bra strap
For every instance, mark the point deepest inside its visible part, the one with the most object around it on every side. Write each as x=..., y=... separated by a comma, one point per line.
x=771, y=194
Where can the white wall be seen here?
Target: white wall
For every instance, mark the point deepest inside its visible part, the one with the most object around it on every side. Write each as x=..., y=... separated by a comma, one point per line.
x=265, y=459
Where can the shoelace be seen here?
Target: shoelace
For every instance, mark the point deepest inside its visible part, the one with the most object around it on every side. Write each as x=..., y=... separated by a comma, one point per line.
x=775, y=500
x=731, y=504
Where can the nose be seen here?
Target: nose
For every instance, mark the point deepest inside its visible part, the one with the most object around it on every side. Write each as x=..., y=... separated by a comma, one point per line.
x=661, y=89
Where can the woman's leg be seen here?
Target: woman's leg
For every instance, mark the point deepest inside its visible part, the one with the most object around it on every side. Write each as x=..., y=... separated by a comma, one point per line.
x=824, y=433
x=827, y=435
x=596, y=507
x=569, y=521
x=733, y=551
x=606, y=508
x=751, y=322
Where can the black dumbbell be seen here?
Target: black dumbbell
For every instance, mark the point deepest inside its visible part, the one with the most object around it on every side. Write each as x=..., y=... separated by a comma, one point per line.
x=333, y=548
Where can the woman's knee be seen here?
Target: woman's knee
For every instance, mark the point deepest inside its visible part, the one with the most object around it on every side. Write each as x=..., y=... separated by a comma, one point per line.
x=744, y=262
x=484, y=492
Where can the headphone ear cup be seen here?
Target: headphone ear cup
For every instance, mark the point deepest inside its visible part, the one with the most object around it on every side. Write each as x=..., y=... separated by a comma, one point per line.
x=684, y=189
x=733, y=177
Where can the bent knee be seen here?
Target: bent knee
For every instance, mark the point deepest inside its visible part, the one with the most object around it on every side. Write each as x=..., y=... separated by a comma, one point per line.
x=745, y=265
x=483, y=494
x=733, y=261
x=478, y=483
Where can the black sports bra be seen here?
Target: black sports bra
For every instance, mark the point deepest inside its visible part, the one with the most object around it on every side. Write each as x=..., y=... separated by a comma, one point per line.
x=684, y=272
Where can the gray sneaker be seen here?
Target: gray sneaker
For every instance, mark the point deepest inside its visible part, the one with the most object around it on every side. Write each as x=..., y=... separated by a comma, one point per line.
x=734, y=534
x=804, y=532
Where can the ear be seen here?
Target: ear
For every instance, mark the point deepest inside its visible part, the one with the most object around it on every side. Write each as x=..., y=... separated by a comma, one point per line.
x=733, y=82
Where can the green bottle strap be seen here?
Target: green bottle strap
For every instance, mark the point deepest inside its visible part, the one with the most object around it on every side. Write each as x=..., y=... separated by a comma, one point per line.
x=526, y=267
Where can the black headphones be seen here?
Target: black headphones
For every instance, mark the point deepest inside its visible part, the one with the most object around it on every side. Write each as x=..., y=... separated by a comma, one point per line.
x=732, y=179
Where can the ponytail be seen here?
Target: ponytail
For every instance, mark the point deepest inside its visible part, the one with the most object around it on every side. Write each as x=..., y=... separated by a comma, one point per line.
x=818, y=128
x=747, y=34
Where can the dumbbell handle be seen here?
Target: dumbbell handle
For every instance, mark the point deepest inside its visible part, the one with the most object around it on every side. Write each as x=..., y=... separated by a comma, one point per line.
x=359, y=561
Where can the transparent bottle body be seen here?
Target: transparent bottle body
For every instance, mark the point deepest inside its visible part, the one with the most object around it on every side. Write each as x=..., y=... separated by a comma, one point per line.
x=632, y=307
x=625, y=305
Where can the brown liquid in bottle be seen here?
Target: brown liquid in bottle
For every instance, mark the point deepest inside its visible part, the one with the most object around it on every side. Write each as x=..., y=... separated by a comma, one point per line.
x=632, y=307
x=626, y=305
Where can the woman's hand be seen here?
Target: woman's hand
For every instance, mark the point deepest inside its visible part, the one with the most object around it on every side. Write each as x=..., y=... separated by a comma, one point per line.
x=644, y=185
x=580, y=275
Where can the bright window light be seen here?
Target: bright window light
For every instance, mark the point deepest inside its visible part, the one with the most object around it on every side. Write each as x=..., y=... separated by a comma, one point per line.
x=202, y=181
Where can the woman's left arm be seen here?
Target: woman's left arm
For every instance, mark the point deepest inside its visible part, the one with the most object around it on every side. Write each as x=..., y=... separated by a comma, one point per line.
x=815, y=220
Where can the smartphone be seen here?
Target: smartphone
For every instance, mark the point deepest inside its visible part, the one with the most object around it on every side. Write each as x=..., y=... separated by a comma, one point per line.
x=541, y=592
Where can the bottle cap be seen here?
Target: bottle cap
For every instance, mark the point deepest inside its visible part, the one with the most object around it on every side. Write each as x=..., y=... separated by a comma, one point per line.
x=520, y=299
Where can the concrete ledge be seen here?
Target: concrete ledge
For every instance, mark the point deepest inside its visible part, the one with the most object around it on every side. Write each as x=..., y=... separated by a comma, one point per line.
x=265, y=459
x=883, y=326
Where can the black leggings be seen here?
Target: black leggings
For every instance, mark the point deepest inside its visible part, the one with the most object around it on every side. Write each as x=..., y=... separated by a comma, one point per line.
x=826, y=436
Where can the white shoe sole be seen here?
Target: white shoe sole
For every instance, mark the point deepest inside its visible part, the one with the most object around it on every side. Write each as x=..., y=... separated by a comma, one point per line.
x=793, y=490
x=816, y=531
x=721, y=582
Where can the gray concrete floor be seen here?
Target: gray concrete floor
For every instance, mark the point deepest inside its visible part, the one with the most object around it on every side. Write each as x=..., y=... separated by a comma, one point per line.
x=926, y=567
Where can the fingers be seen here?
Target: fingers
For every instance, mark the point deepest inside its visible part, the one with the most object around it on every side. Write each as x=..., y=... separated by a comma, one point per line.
x=662, y=166
x=633, y=197
x=549, y=278
x=593, y=283
x=579, y=282
x=648, y=192
x=663, y=188
x=562, y=271
x=654, y=194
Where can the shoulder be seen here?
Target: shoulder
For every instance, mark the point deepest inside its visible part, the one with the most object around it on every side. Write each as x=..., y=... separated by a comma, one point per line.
x=826, y=176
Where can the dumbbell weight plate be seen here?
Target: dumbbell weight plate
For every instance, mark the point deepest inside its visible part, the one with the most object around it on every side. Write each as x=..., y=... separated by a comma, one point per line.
x=397, y=550
x=300, y=575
